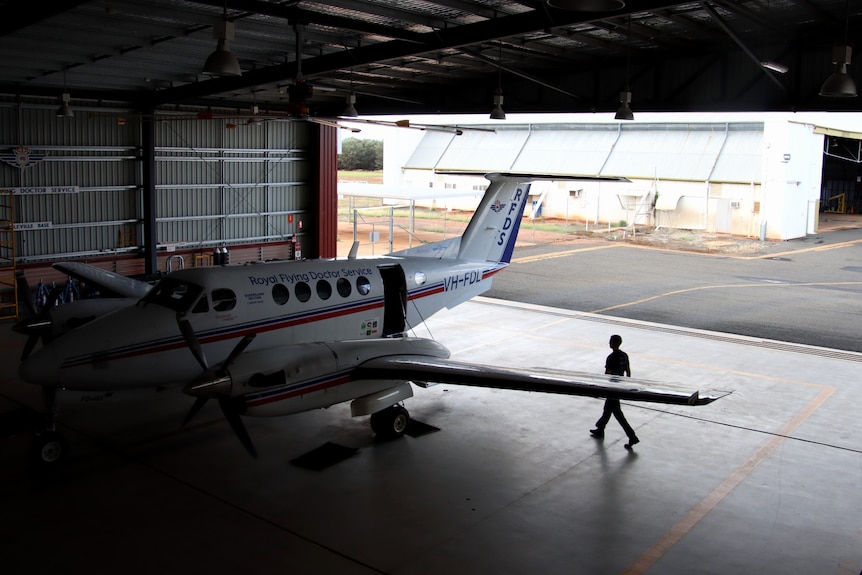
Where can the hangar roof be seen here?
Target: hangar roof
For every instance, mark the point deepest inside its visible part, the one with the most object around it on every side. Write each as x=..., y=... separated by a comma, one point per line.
x=721, y=152
x=432, y=56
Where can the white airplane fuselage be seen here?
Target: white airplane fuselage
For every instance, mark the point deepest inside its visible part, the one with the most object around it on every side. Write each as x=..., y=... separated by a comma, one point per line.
x=284, y=303
x=288, y=336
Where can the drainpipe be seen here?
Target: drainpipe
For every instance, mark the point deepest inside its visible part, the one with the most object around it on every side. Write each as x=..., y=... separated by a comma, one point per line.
x=712, y=170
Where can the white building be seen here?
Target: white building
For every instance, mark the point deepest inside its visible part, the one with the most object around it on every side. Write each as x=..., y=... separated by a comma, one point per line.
x=745, y=178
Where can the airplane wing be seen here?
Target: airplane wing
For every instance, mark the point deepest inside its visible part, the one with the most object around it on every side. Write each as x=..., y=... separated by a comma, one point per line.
x=116, y=283
x=438, y=370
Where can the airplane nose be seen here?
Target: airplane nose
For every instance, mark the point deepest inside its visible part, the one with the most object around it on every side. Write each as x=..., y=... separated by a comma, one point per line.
x=40, y=368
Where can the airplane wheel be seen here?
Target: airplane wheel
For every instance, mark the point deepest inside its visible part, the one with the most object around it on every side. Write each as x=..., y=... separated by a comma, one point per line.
x=390, y=423
x=49, y=449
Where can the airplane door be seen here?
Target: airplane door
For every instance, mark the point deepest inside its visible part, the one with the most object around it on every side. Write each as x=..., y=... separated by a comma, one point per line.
x=394, y=300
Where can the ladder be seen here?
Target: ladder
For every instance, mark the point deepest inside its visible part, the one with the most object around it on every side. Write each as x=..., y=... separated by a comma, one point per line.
x=8, y=283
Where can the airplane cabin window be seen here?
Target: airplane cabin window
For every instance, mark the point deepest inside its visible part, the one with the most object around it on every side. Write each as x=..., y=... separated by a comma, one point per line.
x=223, y=299
x=363, y=286
x=280, y=294
x=302, y=291
x=343, y=287
x=324, y=289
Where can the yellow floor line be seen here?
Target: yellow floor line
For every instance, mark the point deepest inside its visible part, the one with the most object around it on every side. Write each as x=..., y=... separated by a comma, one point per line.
x=550, y=256
x=687, y=523
x=698, y=288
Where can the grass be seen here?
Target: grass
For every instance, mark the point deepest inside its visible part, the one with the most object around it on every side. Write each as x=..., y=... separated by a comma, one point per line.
x=371, y=177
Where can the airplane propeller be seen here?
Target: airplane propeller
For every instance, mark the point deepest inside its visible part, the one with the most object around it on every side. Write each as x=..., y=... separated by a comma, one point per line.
x=211, y=384
x=37, y=325
x=192, y=341
x=231, y=412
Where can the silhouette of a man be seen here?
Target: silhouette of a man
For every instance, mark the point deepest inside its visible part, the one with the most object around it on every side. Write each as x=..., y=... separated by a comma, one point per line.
x=617, y=363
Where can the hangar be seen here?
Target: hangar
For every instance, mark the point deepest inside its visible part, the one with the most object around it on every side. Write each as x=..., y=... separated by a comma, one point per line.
x=121, y=151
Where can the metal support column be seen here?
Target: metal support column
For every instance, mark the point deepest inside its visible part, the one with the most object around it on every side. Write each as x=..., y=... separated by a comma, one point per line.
x=148, y=196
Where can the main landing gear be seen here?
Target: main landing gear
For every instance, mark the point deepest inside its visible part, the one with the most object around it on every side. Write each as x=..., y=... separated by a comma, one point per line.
x=390, y=423
x=49, y=448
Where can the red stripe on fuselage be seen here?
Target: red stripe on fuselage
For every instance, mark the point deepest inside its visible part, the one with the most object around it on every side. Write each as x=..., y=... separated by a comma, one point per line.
x=298, y=392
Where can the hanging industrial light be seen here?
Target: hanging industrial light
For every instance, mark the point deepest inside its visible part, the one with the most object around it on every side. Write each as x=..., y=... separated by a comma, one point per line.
x=587, y=5
x=497, y=112
x=625, y=111
x=840, y=84
x=222, y=62
x=254, y=120
x=350, y=110
x=65, y=110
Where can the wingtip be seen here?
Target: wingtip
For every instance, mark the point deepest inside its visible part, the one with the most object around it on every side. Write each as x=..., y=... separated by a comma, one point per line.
x=702, y=399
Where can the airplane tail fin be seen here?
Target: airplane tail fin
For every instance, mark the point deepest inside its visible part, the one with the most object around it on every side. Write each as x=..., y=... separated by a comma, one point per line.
x=491, y=233
x=490, y=236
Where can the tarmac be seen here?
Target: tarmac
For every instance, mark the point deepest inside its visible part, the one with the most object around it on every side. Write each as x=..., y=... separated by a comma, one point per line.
x=765, y=480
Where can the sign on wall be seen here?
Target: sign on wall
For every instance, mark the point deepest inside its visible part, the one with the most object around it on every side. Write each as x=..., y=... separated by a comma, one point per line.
x=34, y=226
x=21, y=157
x=44, y=190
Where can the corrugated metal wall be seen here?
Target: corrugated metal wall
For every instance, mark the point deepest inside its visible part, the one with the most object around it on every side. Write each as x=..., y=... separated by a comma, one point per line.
x=230, y=185
x=87, y=152
x=217, y=181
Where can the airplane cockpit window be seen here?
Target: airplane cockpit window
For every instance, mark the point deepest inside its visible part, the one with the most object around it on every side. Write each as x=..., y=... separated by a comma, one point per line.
x=223, y=299
x=302, y=291
x=173, y=294
x=324, y=289
x=280, y=294
x=343, y=287
x=363, y=286
x=202, y=306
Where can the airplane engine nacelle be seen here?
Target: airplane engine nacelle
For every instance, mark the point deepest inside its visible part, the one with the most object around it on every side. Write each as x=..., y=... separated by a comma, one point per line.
x=299, y=363
x=279, y=366
x=290, y=379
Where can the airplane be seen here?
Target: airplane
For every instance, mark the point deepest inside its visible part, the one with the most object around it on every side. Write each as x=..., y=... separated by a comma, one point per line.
x=283, y=337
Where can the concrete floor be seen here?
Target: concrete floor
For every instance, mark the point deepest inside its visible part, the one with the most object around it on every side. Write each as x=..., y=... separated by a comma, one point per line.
x=763, y=481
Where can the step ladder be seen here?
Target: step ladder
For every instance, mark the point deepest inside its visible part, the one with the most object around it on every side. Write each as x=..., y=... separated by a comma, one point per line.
x=8, y=283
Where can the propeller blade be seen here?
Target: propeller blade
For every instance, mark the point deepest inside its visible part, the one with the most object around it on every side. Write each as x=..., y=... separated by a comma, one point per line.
x=240, y=347
x=24, y=293
x=196, y=407
x=28, y=347
x=192, y=342
x=36, y=325
x=228, y=407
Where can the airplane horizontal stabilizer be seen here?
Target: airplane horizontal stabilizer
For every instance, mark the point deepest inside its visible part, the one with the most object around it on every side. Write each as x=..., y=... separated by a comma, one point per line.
x=420, y=368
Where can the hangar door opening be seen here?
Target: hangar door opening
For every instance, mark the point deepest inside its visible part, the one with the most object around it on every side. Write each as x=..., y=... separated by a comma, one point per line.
x=841, y=191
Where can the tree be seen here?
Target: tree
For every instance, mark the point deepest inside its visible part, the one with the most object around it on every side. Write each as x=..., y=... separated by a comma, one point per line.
x=359, y=154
